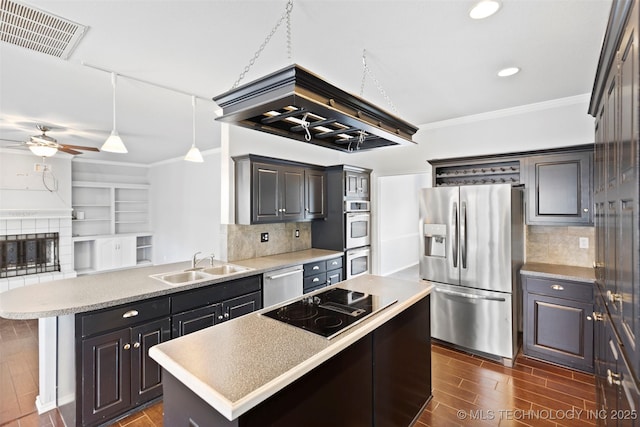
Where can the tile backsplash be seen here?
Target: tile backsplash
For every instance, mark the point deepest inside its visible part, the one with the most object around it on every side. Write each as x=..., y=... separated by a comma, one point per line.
x=560, y=245
x=243, y=241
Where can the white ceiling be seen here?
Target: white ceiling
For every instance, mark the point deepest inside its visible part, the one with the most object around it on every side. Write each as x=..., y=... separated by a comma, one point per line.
x=432, y=60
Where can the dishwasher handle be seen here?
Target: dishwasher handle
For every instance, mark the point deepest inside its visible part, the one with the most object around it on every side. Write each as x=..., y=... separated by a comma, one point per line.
x=288, y=273
x=468, y=296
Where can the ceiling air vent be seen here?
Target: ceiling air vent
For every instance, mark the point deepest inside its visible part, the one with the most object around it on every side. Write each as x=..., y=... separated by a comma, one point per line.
x=37, y=30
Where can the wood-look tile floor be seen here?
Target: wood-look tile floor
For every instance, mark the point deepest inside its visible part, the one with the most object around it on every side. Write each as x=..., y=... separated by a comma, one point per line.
x=467, y=390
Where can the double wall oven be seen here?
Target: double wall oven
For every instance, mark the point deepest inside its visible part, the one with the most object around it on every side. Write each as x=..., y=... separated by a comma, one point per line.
x=347, y=226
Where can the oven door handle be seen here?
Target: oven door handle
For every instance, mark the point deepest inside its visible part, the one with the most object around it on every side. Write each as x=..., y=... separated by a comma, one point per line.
x=469, y=296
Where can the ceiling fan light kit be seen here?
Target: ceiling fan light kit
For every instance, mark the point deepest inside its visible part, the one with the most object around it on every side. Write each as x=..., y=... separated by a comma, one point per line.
x=43, y=150
x=114, y=143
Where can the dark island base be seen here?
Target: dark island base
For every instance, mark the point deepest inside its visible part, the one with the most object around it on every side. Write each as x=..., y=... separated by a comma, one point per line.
x=384, y=379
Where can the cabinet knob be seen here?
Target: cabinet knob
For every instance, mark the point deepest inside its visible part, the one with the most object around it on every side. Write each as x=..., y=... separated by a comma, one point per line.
x=127, y=346
x=556, y=287
x=585, y=210
x=221, y=317
x=136, y=345
x=226, y=315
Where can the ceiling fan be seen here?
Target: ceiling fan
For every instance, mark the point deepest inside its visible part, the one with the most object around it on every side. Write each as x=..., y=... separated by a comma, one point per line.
x=45, y=146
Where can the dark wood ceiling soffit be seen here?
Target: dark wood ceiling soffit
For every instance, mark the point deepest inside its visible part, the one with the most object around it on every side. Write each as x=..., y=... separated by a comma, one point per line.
x=297, y=104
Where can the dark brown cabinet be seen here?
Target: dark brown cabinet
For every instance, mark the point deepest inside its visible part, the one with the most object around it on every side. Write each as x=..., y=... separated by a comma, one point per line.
x=272, y=190
x=315, y=194
x=559, y=189
x=614, y=104
x=382, y=380
x=356, y=184
x=117, y=373
x=204, y=307
x=319, y=274
x=279, y=193
x=557, y=322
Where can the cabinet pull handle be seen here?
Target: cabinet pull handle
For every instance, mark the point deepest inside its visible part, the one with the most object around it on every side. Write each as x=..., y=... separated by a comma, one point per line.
x=127, y=346
x=136, y=345
x=316, y=267
x=316, y=280
x=130, y=313
x=557, y=287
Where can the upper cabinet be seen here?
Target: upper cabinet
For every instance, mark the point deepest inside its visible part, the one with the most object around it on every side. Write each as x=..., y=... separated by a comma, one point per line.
x=356, y=184
x=271, y=190
x=559, y=189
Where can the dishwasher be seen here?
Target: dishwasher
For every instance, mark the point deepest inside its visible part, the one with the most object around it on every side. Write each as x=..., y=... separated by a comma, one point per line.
x=281, y=285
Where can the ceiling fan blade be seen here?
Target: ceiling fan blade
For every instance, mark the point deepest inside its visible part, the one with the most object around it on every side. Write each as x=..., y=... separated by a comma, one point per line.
x=12, y=140
x=68, y=150
x=80, y=147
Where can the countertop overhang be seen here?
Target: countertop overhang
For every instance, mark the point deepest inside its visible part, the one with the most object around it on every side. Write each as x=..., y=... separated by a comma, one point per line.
x=109, y=289
x=236, y=365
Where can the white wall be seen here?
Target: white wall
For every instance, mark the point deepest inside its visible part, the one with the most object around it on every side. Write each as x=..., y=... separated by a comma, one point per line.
x=551, y=124
x=396, y=221
x=185, y=208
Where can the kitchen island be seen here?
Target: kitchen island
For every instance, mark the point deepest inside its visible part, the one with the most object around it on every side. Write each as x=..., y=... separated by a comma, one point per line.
x=257, y=371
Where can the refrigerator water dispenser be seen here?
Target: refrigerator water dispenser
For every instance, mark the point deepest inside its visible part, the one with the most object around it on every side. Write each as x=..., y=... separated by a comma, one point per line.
x=435, y=240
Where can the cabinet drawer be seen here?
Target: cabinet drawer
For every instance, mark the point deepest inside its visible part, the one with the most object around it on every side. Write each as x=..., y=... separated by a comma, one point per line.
x=215, y=293
x=335, y=263
x=314, y=281
x=313, y=268
x=579, y=291
x=124, y=316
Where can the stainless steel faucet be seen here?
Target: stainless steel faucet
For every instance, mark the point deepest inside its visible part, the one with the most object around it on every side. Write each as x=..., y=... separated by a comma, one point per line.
x=195, y=261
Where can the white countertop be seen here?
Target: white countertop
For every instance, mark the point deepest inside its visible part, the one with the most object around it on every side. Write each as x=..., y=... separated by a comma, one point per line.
x=236, y=365
x=93, y=292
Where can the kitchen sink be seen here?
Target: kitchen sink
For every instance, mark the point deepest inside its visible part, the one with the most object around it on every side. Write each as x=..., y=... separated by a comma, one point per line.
x=199, y=274
x=182, y=277
x=222, y=270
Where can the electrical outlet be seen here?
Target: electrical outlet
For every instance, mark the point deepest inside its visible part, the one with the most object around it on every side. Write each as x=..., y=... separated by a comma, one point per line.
x=297, y=233
x=264, y=237
x=584, y=243
x=41, y=167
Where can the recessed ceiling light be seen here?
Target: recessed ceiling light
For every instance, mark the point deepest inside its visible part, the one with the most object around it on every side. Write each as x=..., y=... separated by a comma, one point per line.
x=484, y=9
x=506, y=72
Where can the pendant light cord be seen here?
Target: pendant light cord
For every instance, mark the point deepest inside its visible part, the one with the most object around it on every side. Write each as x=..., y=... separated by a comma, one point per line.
x=193, y=106
x=286, y=15
x=113, y=84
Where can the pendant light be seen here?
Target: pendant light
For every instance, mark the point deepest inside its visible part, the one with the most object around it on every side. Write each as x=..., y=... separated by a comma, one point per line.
x=114, y=143
x=194, y=155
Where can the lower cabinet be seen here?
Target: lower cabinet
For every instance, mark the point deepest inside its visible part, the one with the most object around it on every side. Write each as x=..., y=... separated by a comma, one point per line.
x=117, y=373
x=319, y=274
x=617, y=397
x=114, y=252
x=208, y=306
x=557, y=321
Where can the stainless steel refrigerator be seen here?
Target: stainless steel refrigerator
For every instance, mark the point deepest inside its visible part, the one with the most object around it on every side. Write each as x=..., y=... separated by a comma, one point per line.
x=471, y=247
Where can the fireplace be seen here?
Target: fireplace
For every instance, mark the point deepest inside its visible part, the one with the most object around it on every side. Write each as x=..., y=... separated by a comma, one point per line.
x=25, y=254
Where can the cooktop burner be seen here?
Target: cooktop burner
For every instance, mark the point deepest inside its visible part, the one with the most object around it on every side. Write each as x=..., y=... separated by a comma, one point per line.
x=330, y=312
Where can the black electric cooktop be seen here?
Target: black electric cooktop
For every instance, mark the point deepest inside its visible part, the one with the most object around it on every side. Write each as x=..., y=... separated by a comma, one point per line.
x=330, y=312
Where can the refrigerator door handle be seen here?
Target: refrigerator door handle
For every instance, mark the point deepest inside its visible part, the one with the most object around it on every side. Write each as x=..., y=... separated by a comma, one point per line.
x=468, y=296
x=463, y=235
x=454, y=243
